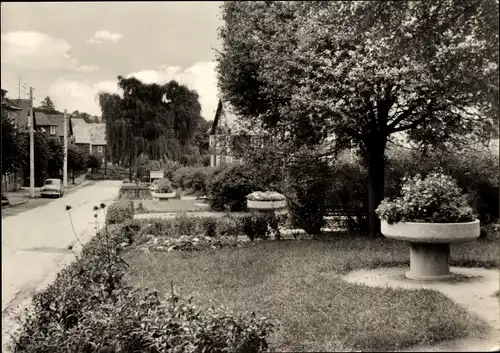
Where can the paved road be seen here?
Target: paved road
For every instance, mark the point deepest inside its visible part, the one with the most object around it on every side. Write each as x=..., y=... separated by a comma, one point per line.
x=35, y=244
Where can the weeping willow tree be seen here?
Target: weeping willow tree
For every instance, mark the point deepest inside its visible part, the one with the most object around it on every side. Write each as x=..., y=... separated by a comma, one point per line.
x=151, y=119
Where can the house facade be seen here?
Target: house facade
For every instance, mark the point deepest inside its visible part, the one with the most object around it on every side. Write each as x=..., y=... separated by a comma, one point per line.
x=90, y=137
x=52, y=126
x=227, y=140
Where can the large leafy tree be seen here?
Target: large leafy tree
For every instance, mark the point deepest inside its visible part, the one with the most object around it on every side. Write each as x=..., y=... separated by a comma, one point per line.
x=55, y=159
x=157, y=120
x=77, y=160
x=43, y=155
x=364, y=72
x=12, y=149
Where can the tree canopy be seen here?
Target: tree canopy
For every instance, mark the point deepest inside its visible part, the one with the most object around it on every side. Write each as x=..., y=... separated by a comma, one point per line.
x=363, y=72
x=48, y=106
x=11, y=146
x=158, y=120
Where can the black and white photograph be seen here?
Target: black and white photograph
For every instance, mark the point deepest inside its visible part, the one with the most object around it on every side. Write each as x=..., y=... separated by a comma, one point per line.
x=250, y=176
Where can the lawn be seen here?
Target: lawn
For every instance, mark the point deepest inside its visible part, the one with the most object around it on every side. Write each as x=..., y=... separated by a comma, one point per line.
x=297, y=284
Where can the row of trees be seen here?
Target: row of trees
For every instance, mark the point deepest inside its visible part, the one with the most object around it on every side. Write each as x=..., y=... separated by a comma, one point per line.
x=363, y=72
x=153, y=120
x=48, y=106
x=49, y=156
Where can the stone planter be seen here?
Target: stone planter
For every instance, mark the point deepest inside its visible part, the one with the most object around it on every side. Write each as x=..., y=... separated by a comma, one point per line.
x=266, y=205
x=430, y=245
x=163, y=196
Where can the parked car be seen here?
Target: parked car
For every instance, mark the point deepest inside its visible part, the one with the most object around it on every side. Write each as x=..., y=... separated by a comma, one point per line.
x=52, y=187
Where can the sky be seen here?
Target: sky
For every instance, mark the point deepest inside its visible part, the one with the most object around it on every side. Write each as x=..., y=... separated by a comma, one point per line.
x=71, y=51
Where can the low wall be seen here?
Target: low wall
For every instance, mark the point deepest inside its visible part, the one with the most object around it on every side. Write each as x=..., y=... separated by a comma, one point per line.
x=135, y=192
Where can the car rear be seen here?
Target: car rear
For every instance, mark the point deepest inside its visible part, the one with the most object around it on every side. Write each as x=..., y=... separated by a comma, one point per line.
x=52, y=187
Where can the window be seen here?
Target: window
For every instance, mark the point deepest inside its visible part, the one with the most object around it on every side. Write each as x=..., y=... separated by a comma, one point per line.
x=99, y=149
x=217, y=161
x=52, y=130
x=229, y=159
x=211, y=141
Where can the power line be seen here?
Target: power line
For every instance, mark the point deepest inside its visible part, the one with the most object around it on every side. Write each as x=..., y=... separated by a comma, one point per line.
x=9, y=83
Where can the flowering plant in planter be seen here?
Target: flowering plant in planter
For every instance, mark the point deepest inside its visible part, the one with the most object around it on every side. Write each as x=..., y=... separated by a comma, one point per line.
x=163, y=186
x=436, y=198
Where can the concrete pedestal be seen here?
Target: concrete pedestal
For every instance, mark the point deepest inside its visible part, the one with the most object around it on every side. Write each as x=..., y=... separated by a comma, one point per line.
x=429, y=261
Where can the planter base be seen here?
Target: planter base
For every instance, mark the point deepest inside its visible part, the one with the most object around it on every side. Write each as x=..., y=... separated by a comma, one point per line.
x=429, y=262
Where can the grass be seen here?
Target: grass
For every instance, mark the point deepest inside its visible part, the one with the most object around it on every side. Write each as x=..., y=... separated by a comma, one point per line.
x=297, y=284
x=173, y=205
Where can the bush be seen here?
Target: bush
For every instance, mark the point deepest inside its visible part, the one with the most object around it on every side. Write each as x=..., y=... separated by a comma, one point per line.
x=476, y=171
x=434, y=199
x=90, y=308
x=228, y=189
x=307, y=179
x=491, y=231
x=120, y=212
x=192, y=179
x=261, y=225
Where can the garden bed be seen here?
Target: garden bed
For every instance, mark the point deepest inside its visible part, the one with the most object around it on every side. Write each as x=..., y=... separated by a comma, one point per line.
x=173, y=205
x=297, y=282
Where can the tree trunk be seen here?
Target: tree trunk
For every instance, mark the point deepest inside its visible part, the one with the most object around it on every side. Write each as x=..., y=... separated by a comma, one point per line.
x=130, y=163
x=374, y=158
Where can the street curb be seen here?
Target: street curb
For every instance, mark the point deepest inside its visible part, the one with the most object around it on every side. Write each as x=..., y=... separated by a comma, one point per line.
x=10, y=205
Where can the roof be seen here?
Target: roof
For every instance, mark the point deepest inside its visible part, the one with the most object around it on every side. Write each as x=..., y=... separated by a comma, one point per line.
x=225, y=119
x=7, y=103
x=23, y=114
x=86, y=133
x=58, y=121
x=42, y=120
x=98, y=134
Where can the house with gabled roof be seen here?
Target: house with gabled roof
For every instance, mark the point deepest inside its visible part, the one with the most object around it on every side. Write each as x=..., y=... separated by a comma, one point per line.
x=227, y=139
x=90, y=137
x=52, y=126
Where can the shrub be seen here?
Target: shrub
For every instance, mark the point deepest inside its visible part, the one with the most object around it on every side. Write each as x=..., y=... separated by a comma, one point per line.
x=164, y=186
x=210, y=226
x=307, y=180
x=261, y=225
x=229, y=226
x=476, y=171
x=119, y=212
x=228, y=189
x=169, y=167
x=435, y=199
x=347, y=191
x=192, y=179
x=265, y=166
x=491, y=231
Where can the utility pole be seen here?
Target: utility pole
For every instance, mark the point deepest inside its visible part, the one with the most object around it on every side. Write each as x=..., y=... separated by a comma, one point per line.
x=18, y=87
x=65, y=163
x=32, y=146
